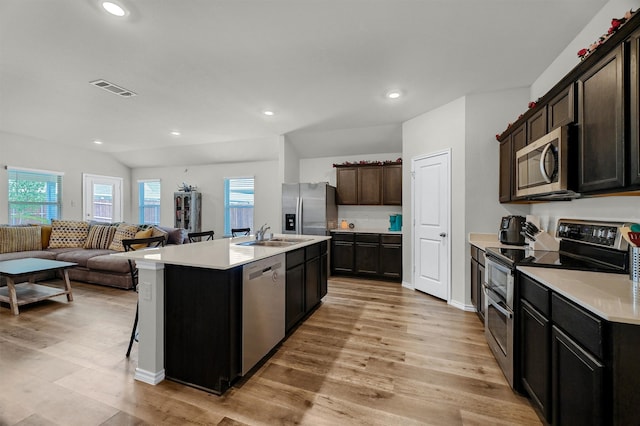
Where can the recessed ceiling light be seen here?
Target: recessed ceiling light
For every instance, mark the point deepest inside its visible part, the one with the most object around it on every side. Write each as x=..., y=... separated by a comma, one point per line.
x=97, y=142
x=113, y=8
x=175, y=133
x=394, y=94
x=269, y=113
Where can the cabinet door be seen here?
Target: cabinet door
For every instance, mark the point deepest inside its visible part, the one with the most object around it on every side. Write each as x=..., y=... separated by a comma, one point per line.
x=504, y=184
x=518, y=141
x=480, y=292
x=295, y=298
x=474, y=283
x=342, y=256
x=535, y=336
x=561, y=109
x=370, y=185
x=634, y=105
x=347, y=185
x=324, y=265
x=367, y=255
x=392, y=185
x=601, y=161
x=537, y=124
x=312, y=283
x=391, y=261
x=578, y=392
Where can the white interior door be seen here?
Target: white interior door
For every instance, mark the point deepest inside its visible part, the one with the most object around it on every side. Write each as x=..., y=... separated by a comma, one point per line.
x=102, y=198
x=431, y=213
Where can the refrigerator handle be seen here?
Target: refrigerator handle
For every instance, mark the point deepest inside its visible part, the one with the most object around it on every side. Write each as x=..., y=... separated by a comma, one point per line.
x=299, y=216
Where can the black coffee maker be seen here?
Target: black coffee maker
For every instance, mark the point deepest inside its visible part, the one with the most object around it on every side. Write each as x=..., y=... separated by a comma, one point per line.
x=510, y=230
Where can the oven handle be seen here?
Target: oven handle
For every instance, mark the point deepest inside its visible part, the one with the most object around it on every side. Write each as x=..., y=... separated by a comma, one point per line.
x=499, y=308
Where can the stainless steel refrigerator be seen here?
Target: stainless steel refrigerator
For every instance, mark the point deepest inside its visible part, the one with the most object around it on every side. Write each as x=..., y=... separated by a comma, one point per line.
x=309, y=208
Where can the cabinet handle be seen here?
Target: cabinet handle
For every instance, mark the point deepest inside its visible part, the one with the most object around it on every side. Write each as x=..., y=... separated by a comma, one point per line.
x=443, y=234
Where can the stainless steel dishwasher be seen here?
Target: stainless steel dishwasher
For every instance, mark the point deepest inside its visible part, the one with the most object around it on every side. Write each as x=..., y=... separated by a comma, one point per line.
x=263, y=308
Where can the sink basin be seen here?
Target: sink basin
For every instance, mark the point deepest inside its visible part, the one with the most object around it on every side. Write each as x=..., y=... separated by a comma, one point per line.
x=274, y=242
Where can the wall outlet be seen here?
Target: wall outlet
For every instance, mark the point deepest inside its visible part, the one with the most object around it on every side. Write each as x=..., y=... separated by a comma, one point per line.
x=144, y=289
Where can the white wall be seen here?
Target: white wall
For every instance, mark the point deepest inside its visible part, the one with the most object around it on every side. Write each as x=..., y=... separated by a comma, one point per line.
x=437, y=130
x=21, y=151
x=604, y=208
x=289, y=161
x=568, y=59
x=363, y=217
x=209, y=180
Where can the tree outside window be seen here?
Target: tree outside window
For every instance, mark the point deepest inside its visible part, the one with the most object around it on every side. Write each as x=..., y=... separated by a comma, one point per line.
x=34, y=196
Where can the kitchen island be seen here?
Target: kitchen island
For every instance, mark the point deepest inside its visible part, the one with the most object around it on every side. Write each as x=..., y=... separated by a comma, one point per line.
x=191, y=304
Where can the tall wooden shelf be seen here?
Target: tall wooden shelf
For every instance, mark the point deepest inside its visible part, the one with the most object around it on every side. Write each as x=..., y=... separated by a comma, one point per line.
x=187, y=210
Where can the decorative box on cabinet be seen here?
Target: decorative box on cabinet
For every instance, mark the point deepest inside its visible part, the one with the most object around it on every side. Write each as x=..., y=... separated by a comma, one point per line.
x=187, y=210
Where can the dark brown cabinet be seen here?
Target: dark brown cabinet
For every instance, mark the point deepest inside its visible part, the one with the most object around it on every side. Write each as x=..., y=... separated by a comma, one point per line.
x=634, y=107
x=369, y=184
x=392, y=185
x=601, y=109
x=295, y=296
x=347, y=185
x=537, y=124
x=367, y=254
x=391, y=256
x=477, y=280
x=561, y=109
x=516, y=140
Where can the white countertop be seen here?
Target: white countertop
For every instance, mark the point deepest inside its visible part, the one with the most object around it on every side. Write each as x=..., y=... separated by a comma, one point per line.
x=367, y=231
x=482, y=241
x=613, y=297
x=217, y=254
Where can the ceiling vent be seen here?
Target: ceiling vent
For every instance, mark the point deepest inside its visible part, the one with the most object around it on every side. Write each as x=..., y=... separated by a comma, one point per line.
x=112, y=88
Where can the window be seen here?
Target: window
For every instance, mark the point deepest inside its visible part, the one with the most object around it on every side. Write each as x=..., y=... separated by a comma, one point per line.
x=35, y=196
x=102, y=198
x=238, y=203
x=149, y=201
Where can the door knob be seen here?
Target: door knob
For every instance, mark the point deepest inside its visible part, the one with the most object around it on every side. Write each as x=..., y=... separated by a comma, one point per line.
x=443, y=234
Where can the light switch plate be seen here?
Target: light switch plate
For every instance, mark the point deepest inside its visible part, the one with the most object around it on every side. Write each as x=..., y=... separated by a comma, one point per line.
x=145, y=291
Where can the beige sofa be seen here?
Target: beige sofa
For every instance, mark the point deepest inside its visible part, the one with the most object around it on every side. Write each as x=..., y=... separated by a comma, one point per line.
x=70, y=242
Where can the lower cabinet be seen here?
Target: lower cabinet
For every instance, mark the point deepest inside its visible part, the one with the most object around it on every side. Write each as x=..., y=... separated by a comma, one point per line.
x=477, y=279
x=576, y=367
x=306, y=281
x=368, y=255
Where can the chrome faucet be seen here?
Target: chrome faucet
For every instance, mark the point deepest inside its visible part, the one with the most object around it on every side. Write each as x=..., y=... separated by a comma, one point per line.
x=260, y=232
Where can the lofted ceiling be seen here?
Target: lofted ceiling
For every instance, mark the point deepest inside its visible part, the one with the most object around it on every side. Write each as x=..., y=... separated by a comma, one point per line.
x=209, y=68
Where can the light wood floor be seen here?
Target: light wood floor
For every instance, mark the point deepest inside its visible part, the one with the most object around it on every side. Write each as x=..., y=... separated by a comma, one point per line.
x=374, y=353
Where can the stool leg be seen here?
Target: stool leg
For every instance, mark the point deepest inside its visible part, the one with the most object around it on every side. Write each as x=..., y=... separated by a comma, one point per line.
x=133, y=332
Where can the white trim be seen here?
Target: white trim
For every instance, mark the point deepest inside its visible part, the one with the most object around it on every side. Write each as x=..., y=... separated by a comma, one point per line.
x=148, y=180
x=408, y=285
x=151, y=266
x=24, y=169
x=149, y=376
x=88, y=192
x=462, y=306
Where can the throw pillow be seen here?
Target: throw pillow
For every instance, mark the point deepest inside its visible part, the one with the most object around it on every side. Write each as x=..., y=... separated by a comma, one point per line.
x=157, y=232
x=123, y=232
x=100, y=237
x=19, y=238
x=142, y=234
x=45, y=232
x=68, y=233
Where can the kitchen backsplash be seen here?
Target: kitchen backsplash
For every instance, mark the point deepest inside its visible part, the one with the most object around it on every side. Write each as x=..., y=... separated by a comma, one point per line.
x=368, y=217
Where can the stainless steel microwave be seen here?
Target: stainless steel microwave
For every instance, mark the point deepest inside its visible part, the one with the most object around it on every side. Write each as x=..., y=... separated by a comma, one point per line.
x=541, y=166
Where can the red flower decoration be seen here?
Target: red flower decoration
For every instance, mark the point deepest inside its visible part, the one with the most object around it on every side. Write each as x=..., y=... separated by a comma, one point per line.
x=532, y=104
x=497, y=136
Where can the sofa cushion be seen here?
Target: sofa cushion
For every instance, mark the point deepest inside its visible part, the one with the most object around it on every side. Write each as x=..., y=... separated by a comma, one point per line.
x=146, y=233
x=176, y=235
x=68, y=233
x=40, y=254
x=157, y=232
x=81, y=256
x=109, y=263
x=123, y=232
x=20, y=238
x=100, y=237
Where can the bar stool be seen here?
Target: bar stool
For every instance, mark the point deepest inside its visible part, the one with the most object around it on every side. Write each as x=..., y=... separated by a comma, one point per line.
x=197, y=236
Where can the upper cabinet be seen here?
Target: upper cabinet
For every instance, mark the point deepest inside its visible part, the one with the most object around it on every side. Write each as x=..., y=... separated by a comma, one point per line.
x=600, y=99
x=369, y=184
x=601, y=125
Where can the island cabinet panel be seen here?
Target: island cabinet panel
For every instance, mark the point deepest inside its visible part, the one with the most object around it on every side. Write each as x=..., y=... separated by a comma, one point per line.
x=601, y=162
x=295, y=282
x=203, y=326
x=347, y=185
x=370, y=185
x=561, y=109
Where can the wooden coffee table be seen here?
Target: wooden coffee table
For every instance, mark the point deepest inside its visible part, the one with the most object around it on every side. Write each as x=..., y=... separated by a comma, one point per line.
x=18, y=293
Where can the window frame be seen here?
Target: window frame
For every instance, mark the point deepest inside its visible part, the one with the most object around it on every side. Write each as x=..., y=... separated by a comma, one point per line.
x=47, y=175
x=141, y=204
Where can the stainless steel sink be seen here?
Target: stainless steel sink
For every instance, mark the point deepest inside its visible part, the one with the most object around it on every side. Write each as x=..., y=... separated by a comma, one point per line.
x=275, y=242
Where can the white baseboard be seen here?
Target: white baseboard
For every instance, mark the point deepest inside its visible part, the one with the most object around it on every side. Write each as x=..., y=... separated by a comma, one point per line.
x=149, y=377
x=462, y=306
x=408, y=285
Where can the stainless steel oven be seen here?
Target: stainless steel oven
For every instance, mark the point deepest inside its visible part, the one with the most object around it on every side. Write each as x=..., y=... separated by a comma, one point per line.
x=498, y=316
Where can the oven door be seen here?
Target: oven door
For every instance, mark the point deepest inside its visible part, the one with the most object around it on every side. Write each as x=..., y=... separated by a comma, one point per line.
x=498, y=277
x=498, y=330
